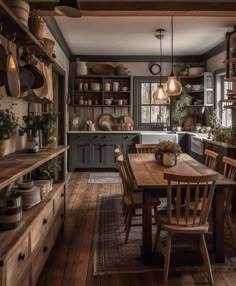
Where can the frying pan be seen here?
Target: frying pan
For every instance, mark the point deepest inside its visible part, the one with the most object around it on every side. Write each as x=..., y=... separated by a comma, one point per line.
x=27, y=79
x=12, y=83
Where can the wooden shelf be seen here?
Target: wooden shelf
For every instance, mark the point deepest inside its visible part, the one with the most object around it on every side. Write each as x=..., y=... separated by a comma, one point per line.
x=195, y=105
x=102, y=105
x=230, y=79
x=111, y=76
x=230, y=60
x=127, y=92
x=229, y=100
x=195, y=91
x=18, y=164
x=24, y=38
x=88, y=91
x=190, y=76
x=8, y=238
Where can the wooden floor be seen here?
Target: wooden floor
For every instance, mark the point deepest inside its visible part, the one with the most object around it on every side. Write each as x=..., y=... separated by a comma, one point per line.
x=71, y=260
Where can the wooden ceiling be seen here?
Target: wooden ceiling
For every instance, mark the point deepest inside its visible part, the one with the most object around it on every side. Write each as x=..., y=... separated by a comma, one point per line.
x=220, y=8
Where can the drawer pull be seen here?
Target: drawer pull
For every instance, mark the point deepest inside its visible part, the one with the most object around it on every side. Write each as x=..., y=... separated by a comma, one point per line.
x=45, y=221
x=21, y=257
x=126, y=137
x=62, y=195
x=45, y=249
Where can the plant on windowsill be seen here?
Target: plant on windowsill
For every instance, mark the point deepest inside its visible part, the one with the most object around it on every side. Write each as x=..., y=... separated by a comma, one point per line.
x=8, y=123
x=31, y=126
x=218, y=132
x=167, y=152
x=179, y=110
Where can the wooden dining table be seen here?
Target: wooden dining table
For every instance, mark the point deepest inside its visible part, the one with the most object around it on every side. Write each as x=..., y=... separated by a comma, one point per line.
x=149, y=178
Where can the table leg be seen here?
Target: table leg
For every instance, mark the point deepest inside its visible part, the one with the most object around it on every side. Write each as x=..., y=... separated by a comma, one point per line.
x=218, y=225
x=147, y=227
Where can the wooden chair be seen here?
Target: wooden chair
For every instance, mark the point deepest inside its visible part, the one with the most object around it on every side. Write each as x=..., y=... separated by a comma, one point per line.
x=229, y=172
x=211, y=159
x=181, y=219
x=132, y=200
x=145, y=148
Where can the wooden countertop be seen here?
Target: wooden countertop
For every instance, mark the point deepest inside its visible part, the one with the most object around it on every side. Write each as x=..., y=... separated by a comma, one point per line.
x=18, y=164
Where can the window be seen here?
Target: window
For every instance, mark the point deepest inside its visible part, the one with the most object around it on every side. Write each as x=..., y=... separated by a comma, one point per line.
x=148, y=114
x=221, y=88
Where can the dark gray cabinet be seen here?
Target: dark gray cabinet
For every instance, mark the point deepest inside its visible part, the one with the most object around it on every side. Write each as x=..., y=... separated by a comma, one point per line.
x=183, y=141
x=88, y=151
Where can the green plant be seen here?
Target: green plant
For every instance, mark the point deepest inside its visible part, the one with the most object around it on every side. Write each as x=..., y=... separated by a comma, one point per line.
x=48, y=169
x=179, y=109
x=214, y=121
x=8, y=123
x=224, y=134
x=48, y=123
x=168, y=147
x=31, y=124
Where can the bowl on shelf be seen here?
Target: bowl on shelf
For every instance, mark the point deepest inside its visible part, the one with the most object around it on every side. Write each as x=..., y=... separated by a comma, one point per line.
x=195, y=71
x=108, y=101
x=197, y=87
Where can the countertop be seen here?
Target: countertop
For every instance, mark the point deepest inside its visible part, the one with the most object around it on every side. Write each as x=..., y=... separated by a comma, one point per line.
x=132, y=132
x=221, y=144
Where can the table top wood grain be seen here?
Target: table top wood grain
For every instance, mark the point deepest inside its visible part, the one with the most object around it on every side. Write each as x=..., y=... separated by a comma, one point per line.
x=149, y=174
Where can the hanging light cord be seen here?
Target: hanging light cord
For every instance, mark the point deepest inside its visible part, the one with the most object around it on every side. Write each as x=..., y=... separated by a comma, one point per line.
x=161, y=56
x=172, y=43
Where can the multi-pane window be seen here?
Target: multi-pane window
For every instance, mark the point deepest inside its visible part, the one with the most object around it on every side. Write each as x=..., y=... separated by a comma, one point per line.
x=151, y=111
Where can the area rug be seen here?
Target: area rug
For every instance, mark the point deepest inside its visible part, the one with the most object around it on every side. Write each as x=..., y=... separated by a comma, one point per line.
x=111, y=255
x=104, y=178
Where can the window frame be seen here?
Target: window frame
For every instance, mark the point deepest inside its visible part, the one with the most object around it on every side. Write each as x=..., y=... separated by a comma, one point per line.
x=137, y=80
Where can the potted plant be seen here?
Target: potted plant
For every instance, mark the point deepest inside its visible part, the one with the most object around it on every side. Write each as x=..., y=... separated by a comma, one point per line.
x=31, y=126
x=167, y=152
x=8, y=123
x=48, y=126
x=179, y=110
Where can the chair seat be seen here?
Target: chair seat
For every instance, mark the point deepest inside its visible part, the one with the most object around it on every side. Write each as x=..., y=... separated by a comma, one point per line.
x=182, y=227
x=138, y=200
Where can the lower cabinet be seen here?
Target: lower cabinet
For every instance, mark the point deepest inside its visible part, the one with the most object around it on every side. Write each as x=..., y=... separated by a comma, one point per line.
x=97, y=150
x=31, y=243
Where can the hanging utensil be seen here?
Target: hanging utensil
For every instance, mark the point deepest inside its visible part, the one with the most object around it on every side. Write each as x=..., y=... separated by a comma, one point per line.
x=12, y=83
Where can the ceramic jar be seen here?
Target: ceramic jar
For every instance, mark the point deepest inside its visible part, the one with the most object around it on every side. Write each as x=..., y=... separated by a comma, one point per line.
x=169, y=159
x=32, y=144
x=81, y=67
x=94, y=86
x=115, y=86
x=4, y=147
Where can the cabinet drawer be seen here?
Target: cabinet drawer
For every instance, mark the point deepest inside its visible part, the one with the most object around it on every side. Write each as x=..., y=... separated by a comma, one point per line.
x=41, y=257
x=41, y=225
x=16, y=262
x=59, y=201
x=58, y=224
x=25, y=279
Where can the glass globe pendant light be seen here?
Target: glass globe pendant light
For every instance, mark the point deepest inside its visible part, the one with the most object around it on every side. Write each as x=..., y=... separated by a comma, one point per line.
x=174, y=87
x=160, y=95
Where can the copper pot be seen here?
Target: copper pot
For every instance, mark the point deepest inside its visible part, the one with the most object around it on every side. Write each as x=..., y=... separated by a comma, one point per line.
x=121, y=70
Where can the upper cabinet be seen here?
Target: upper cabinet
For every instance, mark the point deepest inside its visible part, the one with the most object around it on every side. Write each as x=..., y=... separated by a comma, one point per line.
x=200, y=88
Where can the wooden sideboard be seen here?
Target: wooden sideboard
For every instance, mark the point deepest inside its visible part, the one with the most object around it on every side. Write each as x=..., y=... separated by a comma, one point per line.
x=24, y=250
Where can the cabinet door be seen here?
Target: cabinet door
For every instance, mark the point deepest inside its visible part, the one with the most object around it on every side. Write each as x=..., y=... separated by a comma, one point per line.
x=208, y=89
x=128, y=143
x=183, y=142
x=97, y=154
x=78, y=152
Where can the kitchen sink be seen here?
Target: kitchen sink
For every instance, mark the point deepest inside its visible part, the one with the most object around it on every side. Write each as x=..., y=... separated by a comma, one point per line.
x=157, y=136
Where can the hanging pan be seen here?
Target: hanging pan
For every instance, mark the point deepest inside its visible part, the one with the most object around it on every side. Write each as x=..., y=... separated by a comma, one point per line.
x=12, y=84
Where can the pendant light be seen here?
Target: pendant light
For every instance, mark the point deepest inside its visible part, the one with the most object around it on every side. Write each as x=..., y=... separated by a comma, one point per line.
x=160, y=95
x=68, y=8
x=174, y=87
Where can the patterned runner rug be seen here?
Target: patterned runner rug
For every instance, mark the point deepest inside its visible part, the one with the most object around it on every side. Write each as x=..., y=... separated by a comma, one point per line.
x=111, y=255
x=104, y=178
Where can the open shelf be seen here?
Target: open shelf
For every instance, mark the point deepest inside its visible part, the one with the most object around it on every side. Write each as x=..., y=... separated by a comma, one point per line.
x=23, y=37
x=16, y=165
x=195, y=91
x=190, y=76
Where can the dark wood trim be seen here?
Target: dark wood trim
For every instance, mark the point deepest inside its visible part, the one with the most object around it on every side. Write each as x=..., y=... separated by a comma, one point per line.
x=215, y=51
x=145, y=8
x=57, y=34
x=120, y=58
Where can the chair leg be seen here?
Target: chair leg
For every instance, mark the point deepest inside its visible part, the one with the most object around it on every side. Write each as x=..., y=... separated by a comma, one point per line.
x=157, y=238
x=128, y=224
x=126, y=214
x=167, y=259
x=230, y=225
x=205, y=256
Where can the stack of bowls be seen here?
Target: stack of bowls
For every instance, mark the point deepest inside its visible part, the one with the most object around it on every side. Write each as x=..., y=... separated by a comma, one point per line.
x=30, y=194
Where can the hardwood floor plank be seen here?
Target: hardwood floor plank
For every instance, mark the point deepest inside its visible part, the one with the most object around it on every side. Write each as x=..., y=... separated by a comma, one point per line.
x=186, y=279
x=123, y=280
x=229, y=277
x=147, y=279
x=108, y=280
x=218, y=279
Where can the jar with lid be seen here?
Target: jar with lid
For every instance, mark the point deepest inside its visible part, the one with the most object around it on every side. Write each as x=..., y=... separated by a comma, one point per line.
x=81, y=67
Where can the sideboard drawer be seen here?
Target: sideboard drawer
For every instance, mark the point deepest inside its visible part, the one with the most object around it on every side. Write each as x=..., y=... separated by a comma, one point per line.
x=41, y=257
x=16, y=262
x=59, y=201
x=41, y=225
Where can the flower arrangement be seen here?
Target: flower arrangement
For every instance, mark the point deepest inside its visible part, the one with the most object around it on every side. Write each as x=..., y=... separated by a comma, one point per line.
x=8, y=123
x=167, y=147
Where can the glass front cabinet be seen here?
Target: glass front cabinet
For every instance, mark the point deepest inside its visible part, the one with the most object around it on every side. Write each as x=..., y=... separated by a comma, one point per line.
x=208, y=89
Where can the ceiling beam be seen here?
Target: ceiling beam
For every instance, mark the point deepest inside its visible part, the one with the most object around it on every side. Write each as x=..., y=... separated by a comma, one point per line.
x=145, y=8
